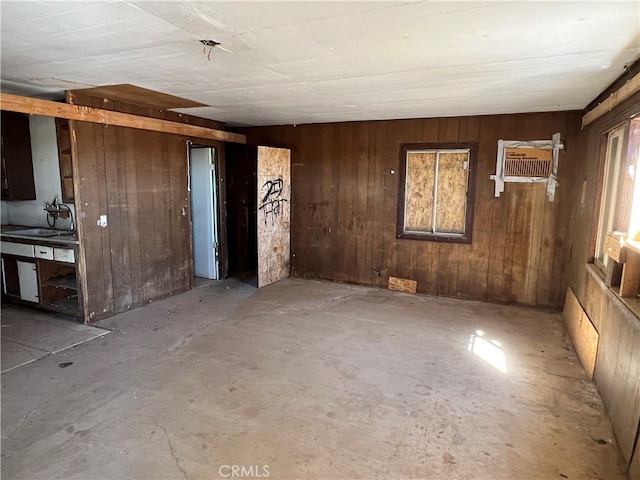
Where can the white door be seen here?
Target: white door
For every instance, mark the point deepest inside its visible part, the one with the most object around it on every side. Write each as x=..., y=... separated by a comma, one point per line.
x=28, y=278
x=204, y=212
x=274, y=214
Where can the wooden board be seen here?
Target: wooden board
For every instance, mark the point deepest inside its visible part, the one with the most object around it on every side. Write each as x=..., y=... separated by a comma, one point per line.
x=135, y=95
x=421, y=169
x=274, y=214
x=402, y=285
x=452, y=192
x=615, y=99
x=85, y=113
x=630, y=275
x=584, y=335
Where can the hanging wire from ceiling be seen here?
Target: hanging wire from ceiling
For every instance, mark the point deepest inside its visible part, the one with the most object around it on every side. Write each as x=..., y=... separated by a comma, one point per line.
x=211, y=44
x=208, y=43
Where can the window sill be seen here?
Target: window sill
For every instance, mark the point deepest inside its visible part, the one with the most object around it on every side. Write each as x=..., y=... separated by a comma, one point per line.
x=633, y=245
x=630, y=306
x=435, y=237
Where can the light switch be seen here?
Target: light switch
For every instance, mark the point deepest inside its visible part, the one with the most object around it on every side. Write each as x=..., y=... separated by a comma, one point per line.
x=102, y=222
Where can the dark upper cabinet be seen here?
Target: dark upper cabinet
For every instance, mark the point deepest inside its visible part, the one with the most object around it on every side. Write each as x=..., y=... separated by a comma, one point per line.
x=17, y=165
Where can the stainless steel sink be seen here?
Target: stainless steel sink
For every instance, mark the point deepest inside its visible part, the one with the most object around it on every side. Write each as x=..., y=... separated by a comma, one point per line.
x=41, y=233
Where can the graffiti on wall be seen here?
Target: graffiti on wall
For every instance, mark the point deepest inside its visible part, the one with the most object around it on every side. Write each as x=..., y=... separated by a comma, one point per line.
x=272, y=200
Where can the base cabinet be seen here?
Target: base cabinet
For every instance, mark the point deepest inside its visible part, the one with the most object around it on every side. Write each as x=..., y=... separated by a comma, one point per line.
x=28, y=279
x=49, y=280
x=20, y=279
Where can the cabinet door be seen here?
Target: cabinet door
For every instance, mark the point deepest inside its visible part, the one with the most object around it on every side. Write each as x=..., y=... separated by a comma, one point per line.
x=28, y=277
x=17, y=164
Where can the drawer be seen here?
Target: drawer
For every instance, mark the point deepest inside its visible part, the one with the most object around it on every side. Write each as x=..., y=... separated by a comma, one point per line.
x=21, y=249
x=43, y=252
x=66, y=255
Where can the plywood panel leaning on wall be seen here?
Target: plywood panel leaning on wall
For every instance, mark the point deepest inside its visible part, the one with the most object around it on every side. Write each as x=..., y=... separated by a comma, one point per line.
x=274, y=214
x=582, y=332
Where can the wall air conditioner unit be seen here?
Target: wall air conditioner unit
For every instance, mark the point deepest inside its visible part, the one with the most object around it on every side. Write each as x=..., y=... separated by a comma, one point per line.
x=533, y=161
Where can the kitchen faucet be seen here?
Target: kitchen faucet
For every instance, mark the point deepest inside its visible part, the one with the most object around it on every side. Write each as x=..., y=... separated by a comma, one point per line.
x=56, y=210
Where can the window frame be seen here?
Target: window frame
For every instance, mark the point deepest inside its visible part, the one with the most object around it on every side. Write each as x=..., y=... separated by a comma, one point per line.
x=467, y=236
x=608, y=189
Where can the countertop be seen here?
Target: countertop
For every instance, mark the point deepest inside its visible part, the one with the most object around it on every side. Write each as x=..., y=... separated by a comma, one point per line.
x=63, y=237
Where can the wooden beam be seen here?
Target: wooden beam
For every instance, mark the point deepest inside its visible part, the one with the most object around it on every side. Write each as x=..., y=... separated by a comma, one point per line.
x=617, y=97
x=35, y=106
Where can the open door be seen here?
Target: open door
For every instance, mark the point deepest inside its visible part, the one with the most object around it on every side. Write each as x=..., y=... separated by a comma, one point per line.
x=274, y=214
x=204, y=212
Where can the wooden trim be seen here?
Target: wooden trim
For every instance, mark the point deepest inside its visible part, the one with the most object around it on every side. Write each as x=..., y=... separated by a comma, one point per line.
x=35, y=106
x=613, y=100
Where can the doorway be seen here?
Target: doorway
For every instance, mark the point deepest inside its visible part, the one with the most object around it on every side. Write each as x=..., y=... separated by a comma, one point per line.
x=258, y=202
x=203, y=181
x=241, y=180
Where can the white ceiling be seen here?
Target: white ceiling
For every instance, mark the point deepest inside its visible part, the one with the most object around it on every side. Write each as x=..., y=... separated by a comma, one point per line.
x=305, y=62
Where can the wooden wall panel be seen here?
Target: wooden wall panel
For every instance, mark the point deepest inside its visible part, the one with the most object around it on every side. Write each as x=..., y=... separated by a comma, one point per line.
x=617, y=371
x=345, y=207
x=138, y=179
x=582, y=332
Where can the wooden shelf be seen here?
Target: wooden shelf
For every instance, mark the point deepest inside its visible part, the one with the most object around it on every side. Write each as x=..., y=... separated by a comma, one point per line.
x=67, y=306
x=68, y=281
x=63, y=133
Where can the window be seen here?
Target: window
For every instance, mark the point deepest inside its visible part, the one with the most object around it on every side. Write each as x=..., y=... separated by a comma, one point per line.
x=436, y=192
x=620, y=200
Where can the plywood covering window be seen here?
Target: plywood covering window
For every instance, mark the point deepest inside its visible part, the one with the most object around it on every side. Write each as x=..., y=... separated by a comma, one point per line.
x=436, y=194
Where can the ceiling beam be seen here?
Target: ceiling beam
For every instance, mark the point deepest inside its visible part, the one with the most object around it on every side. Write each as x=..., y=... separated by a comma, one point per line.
x=616, y=98
x=36, y=106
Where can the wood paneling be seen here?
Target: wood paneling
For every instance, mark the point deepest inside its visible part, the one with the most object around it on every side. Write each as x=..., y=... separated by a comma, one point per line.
x=617, y=371
x=582, y=332
x=138, y=179
x=344, y=212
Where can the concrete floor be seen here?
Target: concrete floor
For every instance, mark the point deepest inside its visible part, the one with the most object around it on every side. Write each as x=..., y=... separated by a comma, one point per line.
x=306, y=379
x=29, y=335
